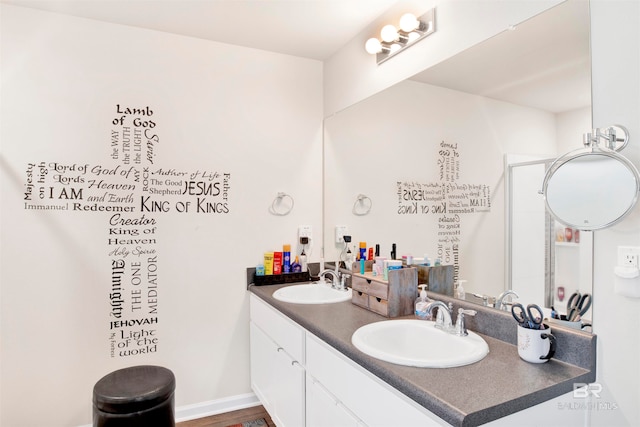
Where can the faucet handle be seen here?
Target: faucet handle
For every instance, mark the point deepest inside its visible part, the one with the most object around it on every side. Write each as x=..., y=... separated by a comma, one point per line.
x=343, y=281
x=461, y=329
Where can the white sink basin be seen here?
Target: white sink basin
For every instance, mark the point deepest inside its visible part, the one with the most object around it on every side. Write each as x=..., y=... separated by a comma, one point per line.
x=413, y=342
x=314, y=293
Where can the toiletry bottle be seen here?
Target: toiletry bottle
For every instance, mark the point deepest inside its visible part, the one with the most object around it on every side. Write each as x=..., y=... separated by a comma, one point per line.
x=460, y=292
x=295, y=266
x=363, y=250
x=393, y=251
x=421, y=304
x=303, y=261
x=286, y=258
x=268, y=263
x=277, y=263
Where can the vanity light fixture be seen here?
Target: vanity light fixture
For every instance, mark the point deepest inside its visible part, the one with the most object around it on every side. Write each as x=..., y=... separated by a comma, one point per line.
x=394, y=40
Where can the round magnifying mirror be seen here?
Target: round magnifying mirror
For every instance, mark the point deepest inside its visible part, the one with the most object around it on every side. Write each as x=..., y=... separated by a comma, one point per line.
x=591, y=188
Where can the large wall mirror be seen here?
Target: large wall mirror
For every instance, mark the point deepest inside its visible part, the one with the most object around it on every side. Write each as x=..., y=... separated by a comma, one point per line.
x=451, y=162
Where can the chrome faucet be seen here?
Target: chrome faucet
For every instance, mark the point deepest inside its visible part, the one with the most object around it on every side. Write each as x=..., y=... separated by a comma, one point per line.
x=443, y=319
x=343, y=282
x=484, y=298
x=500, y=304
x=335, y=283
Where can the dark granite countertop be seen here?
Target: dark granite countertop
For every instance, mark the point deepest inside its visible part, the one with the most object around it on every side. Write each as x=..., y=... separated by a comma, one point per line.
x=498, y=385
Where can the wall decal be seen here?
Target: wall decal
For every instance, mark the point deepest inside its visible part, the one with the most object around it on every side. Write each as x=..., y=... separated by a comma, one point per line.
x=446, y=201
x=132, y=191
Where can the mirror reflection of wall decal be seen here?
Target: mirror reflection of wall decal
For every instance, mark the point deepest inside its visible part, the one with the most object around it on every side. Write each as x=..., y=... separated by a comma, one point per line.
x=593, y=187
x=448, y=199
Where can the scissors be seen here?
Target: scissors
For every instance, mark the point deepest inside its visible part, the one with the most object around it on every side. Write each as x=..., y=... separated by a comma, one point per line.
x=577, y=305
x=531, y=318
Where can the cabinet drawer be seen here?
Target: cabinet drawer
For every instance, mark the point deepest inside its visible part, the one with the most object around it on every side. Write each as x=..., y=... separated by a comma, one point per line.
x=379, y=305
x=360, y=298
x=284, y=332
x=370, y=287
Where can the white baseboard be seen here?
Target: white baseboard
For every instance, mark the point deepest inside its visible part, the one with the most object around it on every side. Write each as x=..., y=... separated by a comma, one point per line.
x=214, y=407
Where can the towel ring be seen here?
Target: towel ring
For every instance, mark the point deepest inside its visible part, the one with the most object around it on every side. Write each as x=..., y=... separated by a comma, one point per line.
x=277, y=202
x=361, y=200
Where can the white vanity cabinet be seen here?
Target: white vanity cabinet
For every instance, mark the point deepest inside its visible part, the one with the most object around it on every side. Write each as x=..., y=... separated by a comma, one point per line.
x=302, y=381
x=277, y=364
x=366, y=398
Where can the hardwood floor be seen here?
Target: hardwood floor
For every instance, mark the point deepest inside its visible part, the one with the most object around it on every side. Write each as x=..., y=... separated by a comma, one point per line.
x=230, y=418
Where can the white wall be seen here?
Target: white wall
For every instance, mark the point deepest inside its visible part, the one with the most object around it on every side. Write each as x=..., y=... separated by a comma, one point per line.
x=217, y=108
x=615, y=29
x=571, y=125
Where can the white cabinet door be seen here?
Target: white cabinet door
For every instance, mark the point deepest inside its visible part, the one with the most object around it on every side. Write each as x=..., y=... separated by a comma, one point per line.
x=277, y=364
x=290, y=390
x=324, y=410
x=277, y=379
x=263, y=358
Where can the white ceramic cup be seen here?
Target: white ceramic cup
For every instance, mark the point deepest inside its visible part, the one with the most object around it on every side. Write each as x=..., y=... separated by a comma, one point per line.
x=536, y=345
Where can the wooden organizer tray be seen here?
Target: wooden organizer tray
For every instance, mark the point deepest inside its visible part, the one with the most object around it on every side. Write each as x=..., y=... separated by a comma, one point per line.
x=391, y=298
x=396, y=296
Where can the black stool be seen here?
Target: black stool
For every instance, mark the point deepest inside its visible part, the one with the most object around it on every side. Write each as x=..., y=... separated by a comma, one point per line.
x=138, y=396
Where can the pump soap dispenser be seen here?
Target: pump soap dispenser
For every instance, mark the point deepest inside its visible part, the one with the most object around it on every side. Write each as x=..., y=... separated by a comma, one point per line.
x=421, y=304
x=460, y=292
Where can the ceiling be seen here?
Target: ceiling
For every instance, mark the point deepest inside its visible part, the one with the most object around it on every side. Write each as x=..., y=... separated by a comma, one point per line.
x=307, y=28
x=544, y=63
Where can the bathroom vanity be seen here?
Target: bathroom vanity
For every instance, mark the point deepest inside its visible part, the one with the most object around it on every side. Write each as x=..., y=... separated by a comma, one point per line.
x=306, y=371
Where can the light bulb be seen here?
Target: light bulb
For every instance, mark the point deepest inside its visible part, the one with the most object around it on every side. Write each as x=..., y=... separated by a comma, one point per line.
x=394, y=47
x=373, y=46
x=412, y=36
x=409, y=22
x=389, y=33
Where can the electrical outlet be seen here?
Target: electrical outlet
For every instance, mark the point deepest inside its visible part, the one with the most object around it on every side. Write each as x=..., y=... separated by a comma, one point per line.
x=628, y=256
x=305, y=231
x=341, y=231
